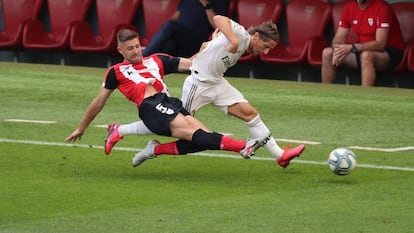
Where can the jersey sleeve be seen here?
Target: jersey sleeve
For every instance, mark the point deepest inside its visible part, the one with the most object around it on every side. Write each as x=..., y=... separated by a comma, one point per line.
x=169, y=62
x=345, y=17
x=110, y=81
x=385, y=17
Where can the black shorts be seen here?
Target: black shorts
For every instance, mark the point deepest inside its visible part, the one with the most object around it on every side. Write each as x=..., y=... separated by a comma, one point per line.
x=158, y=111
x=395, y=57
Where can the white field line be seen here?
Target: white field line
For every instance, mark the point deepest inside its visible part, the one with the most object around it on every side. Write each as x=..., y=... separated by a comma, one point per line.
x=30, y=121
x=298, y=141
x=101, y=126
x=5, y=140
x=407, y=148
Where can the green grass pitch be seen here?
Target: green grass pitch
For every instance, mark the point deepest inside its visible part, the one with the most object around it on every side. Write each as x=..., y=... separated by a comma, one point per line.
x=47, y=185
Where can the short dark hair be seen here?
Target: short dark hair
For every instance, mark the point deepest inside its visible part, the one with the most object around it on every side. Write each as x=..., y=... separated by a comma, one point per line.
x=126, y=34
x=267, y=31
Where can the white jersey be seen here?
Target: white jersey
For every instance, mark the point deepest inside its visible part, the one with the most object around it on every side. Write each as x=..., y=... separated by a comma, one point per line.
x=213, y=61
x=206, y=83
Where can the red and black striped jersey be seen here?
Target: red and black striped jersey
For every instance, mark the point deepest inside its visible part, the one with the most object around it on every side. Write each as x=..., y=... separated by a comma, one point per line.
x=132, y=79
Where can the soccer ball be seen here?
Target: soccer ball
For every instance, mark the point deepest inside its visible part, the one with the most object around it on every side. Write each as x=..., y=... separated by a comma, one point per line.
x=341, y=161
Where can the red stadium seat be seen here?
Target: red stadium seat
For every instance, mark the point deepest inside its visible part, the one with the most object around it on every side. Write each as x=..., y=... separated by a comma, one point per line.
x=156, y=13
x=112, y=15
x=306, y=20
x=254, y=12
x=405, y=14
x=62, y=15
x=15, y=14
x=319, y=43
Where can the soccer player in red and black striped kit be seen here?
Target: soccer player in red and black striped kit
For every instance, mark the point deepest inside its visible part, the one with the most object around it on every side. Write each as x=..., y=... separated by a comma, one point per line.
x=207, y=85
x=141, y=81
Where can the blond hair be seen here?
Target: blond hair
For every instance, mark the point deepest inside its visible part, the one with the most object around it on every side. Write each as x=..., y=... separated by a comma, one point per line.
x=267, y=31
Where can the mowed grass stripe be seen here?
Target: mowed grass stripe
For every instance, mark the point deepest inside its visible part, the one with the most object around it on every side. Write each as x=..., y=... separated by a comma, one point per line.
x=67, y=188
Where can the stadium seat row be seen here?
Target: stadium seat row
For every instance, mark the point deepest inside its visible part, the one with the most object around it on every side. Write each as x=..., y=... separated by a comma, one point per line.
x=306, y=23
x=67, y=27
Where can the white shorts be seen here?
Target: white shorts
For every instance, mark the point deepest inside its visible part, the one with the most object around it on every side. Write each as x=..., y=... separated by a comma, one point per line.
x=221, y=94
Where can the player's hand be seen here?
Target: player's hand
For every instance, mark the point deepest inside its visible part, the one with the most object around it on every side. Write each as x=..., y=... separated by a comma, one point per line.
x=76, y=135
x=232, y=48
x=234, y=43
x=339, y=52
x=215, y=34
x=336, y=61
x=203, y=46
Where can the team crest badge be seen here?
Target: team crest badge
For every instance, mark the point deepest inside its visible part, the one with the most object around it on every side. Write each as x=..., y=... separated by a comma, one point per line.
x=370, y=21
x=226, y=60
x=260, y=8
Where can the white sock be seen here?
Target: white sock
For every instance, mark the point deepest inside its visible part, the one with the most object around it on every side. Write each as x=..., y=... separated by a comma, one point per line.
x=258, y=129
x=137, y=128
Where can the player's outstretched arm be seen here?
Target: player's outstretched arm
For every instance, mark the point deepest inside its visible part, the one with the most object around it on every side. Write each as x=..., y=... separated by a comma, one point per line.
x=93, y=110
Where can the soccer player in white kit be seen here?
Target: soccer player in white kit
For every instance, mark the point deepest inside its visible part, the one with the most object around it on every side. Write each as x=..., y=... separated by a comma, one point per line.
x=206, y=83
